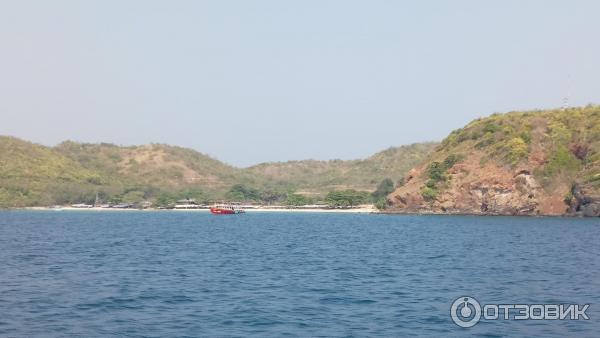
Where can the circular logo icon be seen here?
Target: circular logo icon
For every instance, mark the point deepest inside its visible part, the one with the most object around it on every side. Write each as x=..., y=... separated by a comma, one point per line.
x=465, y=311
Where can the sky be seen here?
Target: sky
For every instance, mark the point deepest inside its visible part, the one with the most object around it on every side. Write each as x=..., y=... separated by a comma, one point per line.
x=255, y=81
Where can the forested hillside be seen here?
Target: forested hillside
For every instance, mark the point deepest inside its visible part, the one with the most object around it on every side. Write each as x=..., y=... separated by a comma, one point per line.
x=72, y=172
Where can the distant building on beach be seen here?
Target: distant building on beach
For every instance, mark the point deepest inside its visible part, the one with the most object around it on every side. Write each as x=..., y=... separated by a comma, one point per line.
x=188, y=203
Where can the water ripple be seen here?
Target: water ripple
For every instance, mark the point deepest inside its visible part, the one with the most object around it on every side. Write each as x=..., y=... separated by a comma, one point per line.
x=161, y=274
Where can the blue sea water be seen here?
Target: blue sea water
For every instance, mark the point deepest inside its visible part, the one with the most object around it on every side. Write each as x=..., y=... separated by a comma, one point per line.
x=166, y=274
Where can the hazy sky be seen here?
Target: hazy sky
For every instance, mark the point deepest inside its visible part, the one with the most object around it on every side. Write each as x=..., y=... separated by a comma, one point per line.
x=253, y=81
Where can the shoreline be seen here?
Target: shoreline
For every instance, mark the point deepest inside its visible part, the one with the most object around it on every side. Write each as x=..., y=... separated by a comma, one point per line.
x=360, y=210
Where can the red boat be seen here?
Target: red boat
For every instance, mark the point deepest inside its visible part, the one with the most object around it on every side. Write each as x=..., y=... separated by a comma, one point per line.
x=226, y=210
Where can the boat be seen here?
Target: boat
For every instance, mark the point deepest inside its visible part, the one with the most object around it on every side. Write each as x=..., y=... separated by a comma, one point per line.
x=226, y=209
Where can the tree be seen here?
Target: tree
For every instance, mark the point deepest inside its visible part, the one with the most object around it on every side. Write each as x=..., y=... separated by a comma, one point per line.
x=346, y=198
x=384, y=188
x=192, y=193
x=165, y=199
x=436, y=171
x=381, y=204
x=117, y=199
x=296, y=200
x=401, y=182
x=133, y=197
x=269, y=197
x=240, y=192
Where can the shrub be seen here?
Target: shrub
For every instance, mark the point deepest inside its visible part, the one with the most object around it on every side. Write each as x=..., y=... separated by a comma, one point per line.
x=491, y=127
x=95, y=179
x=429, y=194
x=452, y=139
x=475, y=135
x=594, y=180
x=384, y=188
x=436, y=171
x=562, y=160
x=133, y=197
x=568, y=198
x=559, y=133
x=463, y=136
x=381, y=204
x=526, y=136
x=241, y=193
x=346, y=198
x=487, y=139
x=451, y=160
x=430, y=184
x=165, y=199
x=517, y=150
x=296, y=200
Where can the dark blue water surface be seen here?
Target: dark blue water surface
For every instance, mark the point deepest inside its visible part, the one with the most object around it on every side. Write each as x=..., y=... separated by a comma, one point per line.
x=160, y=274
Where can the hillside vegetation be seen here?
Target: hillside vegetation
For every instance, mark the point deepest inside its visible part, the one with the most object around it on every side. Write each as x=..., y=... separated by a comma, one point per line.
x=317, y=177
x=31, y=174
x=536, y=162
x=156, y=165
x=72, y=172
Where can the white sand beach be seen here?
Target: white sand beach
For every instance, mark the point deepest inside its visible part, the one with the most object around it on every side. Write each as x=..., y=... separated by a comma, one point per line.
x=363, y=209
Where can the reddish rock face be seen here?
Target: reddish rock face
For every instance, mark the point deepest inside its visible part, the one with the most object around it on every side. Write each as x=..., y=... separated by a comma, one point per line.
x=519, y=163
x=488, y=190
x=472, y=189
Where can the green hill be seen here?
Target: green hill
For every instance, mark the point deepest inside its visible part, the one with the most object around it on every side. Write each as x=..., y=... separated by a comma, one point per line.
x=72, y=172
x=157, y=165
x=318, y=177
x=32, y=174
x=536, y=162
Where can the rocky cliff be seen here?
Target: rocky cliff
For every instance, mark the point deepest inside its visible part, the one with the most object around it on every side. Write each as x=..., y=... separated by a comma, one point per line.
x=519, y=163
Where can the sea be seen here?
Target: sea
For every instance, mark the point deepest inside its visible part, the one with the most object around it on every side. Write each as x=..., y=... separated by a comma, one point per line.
x=279, y=274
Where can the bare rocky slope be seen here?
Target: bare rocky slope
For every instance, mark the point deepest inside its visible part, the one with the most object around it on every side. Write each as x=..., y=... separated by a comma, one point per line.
x=519, y=163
